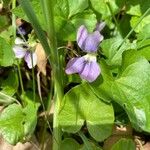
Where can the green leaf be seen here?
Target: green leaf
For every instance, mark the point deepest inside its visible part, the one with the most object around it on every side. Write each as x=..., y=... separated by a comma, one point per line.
x=109, y=46
x=77, y=6
x=17, y=122
x=131, y=89
x=144, y=48
x=19, y=13
x=93, y=146
x=7, y=34
x=102, y=86
x=6, y=99
x=62, y=8
x=68, y=17
x=3, y=22
x=31, y=108
x=11, y=124
x=134, y=20
x=67, y=29
x=77, y=106
x=124, y=25
x=69, y=8
x=69, y=143
x=87, y=18
x=134, y=8
x=137, y=8
x=6, y=53
x=124, y=144
x=87, y=144
x=10, y=84
x=102, y=7
x=110, y=49
x=37, y=9
x=145, y=33
x=28, y=9
x=6, y=2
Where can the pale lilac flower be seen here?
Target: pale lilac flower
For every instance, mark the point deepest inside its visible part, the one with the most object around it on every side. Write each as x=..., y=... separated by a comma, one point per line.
x=19, y=41
x=86, y=66
x=100, y=26
x=24, y=29
x=21, y=30
x=88, y=42
x=28, y=59
x=21, y=52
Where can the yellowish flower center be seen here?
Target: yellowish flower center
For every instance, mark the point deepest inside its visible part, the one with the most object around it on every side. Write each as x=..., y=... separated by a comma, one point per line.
x=90, y=57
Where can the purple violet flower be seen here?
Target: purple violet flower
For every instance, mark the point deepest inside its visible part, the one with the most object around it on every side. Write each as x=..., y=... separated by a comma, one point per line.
x=86, y=66
x=100, y=26
x=21, y=52
x=21, y=30
x=88, y=42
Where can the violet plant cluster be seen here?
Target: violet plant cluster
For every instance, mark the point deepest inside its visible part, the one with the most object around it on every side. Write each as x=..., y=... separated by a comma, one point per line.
x=87, y=66
x=22, y=50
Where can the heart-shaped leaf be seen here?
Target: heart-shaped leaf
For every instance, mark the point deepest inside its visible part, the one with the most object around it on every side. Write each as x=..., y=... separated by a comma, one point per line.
x=80, y=104
x=124, y=144
x=6, y=53
x=17, y=122
x=68, y=16
x=132, y=89
x=69, y=143
x=11, y=124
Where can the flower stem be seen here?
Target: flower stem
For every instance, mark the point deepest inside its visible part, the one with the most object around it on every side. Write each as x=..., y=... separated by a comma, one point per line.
x=33, y=78
x=114, y=18
x=20, y=77
x=14, y=35
x=131, y=31
x=47, y=7
x=14, y=19
x=50, y=48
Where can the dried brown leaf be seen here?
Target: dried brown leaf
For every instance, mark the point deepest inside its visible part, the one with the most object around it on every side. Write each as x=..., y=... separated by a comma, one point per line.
x=118, y=133
x=41, y=59
x=1, y=7
x=1, y=108
x=146, y=146
x=19, y=146
x=19, y=22
x=4, y=145
x=24, y=146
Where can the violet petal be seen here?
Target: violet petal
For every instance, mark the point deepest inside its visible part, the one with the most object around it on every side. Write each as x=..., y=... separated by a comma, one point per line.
x=19, y=41
x=75, y=65
x=19, y=51
x=21, y=30
x=91, y=71
x=100, y=26
x=92, y=41
x=28, y=59
x=81, y=36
